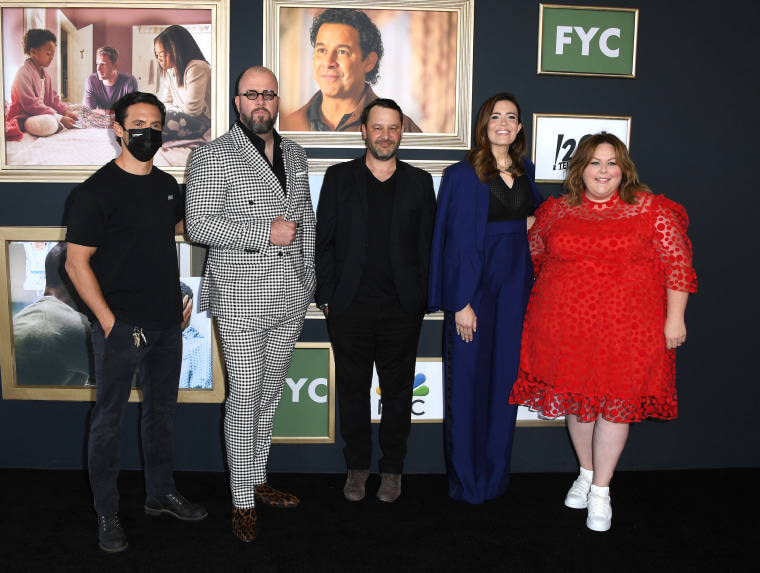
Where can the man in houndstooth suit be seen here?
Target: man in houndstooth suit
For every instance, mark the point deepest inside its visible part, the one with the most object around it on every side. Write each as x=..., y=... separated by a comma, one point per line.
x=248, y=199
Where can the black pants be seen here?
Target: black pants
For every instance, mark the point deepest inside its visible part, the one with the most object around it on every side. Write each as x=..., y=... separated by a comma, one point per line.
x=116, y=359
x=386, y=336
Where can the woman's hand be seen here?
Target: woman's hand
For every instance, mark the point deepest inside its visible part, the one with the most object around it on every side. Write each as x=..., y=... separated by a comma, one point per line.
x=466, y=323
x=68, y=122
x=675, y=326
x=530, y=220
x=675, y=332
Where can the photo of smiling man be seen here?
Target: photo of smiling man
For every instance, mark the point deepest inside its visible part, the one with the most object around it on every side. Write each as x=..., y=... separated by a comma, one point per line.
x=348, y=50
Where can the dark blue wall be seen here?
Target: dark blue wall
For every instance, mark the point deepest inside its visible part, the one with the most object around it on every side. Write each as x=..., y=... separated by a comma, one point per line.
x=694, y=104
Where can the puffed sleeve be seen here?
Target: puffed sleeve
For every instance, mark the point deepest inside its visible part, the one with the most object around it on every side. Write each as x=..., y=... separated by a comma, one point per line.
x=672, y=245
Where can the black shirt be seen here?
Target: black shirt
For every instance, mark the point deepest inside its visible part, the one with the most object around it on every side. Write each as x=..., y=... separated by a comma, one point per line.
x=377, y=284
x=279, y=163
x=510, y=204
x=130, y=219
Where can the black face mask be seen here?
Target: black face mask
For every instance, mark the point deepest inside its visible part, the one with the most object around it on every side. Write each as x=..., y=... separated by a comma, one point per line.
x=144, y=143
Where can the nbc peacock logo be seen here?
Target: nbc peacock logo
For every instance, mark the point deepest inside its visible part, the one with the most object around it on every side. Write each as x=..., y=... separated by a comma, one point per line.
x=419, y=388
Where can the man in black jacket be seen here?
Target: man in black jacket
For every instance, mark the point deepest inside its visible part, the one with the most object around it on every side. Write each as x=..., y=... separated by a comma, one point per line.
x=374, y=230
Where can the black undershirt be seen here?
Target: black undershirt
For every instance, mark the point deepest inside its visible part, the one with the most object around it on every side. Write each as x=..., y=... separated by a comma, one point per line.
x=279, y=164
x=377, y=284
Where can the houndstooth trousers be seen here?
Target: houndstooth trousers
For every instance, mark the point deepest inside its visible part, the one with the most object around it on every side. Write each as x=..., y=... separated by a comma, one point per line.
x=257, y=353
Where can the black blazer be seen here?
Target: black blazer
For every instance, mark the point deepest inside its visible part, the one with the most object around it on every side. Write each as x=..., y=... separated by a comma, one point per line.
x=343, y=226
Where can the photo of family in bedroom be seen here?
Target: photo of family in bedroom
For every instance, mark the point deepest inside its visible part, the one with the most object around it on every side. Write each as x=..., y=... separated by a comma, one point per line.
x=64, y=69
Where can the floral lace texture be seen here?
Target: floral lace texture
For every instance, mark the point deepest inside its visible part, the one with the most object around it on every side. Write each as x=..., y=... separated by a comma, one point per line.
x=593, y=339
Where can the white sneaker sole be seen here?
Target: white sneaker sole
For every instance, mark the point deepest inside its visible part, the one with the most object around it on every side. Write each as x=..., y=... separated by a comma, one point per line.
x=575, y=504
x=593, y=526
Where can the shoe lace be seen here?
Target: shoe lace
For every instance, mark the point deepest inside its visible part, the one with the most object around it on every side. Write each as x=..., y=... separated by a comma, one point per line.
x=580, y=486
x=598, y=505
x=110, y=522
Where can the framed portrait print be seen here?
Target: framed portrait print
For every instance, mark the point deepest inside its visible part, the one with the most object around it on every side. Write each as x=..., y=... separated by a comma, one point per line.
x=587, y=41
x=59, y=128
x=556, y=136
x=418, y=53
x=45, y=349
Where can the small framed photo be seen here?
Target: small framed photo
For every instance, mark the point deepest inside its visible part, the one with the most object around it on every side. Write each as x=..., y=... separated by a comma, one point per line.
x=587, y=41
x=556, y=136
x=102, y=50
x=45, y=336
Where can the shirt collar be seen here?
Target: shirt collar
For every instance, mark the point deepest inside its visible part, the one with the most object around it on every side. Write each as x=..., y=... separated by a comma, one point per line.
x=257, y=142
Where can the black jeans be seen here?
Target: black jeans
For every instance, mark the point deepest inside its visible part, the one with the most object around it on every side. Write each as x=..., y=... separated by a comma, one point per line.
x=384, y=335
x=116, y=360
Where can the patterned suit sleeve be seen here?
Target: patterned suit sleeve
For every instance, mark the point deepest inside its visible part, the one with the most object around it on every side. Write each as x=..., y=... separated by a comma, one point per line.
x=308, y=224
x=206, y=220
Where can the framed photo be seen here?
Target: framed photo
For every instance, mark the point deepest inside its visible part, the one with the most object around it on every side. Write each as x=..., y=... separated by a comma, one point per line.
x=418, y=53
x=69, y=135
x=587, y=41
x=306, y=413
x=45, y=349
x=556, y=136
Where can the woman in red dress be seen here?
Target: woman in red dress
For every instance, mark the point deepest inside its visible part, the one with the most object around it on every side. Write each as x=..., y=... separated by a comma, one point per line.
x=613, y=275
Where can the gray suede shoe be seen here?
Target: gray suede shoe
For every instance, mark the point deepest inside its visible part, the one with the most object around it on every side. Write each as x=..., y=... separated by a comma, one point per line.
x=354, y=488
x=390, y=487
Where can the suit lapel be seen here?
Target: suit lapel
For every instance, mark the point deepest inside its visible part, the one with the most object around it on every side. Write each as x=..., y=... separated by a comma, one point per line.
x=360, y=178
x=399, y=196
x=260, y=166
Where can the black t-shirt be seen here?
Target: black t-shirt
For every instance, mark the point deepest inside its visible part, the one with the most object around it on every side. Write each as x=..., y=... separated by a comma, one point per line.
x=130, y=219
x=377, y=284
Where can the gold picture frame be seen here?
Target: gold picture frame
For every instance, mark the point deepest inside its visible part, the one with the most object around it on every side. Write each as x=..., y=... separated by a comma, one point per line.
x=11, y=390
x=286, y=40
x=607, y=38
x=71, y=155
x=304, y=416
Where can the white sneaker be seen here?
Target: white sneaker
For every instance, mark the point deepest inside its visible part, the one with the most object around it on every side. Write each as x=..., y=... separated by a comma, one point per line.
x=578, y=493
x=599, y=509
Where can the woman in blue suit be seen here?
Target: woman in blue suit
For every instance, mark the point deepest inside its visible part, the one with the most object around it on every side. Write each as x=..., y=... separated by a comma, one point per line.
x=481, y=275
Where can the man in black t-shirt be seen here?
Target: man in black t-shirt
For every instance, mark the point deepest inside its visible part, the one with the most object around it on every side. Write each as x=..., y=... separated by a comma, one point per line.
x=374, y=230
x=122, y=260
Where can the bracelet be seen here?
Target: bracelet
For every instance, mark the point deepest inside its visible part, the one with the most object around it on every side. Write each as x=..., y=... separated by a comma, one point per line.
x=109, y=327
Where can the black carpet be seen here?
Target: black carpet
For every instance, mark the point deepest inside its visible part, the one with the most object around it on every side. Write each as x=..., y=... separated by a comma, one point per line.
x=663, y=521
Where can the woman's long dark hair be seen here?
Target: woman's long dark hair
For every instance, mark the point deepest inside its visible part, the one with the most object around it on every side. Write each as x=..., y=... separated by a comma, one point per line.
x=183, y=48
x=480, y=156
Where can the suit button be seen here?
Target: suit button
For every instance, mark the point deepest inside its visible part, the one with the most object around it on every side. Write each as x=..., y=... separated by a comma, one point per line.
x=250, y=202
x=366, y=245
x=280, y=254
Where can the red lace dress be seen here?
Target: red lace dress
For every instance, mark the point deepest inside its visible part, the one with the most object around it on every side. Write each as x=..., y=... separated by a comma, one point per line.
x=593, y=341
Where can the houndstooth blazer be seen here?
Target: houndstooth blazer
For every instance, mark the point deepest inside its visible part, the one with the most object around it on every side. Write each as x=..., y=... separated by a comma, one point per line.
x=232, y=198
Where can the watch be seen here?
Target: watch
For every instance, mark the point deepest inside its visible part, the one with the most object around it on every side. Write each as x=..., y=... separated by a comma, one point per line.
x=322, y=307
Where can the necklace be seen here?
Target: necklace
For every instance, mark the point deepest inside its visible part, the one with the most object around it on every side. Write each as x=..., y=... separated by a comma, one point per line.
x=509, y=169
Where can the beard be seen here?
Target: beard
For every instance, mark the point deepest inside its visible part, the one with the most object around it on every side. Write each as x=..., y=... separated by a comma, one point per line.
x=381, y=154
x=259, y=126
